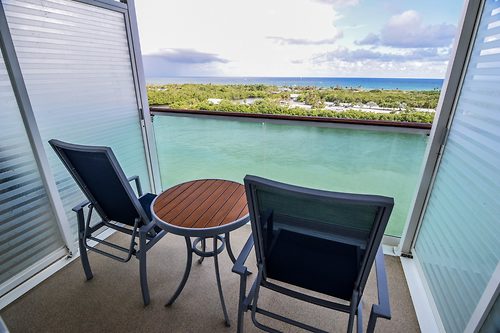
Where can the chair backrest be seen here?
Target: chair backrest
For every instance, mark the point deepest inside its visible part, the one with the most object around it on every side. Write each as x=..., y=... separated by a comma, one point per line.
x=100, y=177
x=346, y=225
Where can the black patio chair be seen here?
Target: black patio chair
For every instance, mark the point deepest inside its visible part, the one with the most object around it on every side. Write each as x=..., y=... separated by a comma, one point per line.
x=321, y=241
x=100, y=177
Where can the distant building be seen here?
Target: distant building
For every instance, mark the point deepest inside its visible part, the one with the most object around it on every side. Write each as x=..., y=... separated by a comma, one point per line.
x=215, y=100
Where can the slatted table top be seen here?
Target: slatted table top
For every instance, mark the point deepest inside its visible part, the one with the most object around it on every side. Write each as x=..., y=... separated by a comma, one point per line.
x=202, y=204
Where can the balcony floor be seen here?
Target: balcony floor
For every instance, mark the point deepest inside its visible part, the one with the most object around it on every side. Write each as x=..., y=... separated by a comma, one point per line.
x=112, y=300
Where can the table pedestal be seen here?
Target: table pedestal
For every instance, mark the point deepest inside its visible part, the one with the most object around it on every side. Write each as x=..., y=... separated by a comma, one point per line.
x=202, y=253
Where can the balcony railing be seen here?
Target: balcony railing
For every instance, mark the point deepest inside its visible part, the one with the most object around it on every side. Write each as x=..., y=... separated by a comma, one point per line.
x=358, y=158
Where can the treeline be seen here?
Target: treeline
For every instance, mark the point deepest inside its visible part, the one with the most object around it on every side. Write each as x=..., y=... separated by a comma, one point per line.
x=383, y=98
x=270, y=100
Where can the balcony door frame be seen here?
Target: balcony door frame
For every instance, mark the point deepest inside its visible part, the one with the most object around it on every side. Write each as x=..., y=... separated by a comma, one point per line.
x=452, y=85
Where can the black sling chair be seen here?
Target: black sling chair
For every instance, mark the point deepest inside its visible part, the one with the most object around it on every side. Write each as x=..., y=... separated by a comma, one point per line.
x=100, y=177
x=317, y=240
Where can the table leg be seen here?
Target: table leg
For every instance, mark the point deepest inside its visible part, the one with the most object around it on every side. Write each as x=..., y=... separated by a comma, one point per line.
x=228, y=245
x=186, y=272
x=203, y=247
x=217, y=275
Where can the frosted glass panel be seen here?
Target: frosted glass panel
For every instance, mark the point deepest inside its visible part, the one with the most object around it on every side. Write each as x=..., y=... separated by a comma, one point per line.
x=459, y=241
x=28, y=228
x=76, y=64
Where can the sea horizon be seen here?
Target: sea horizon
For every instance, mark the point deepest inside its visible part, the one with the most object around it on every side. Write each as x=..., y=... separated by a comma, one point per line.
x=321, y=82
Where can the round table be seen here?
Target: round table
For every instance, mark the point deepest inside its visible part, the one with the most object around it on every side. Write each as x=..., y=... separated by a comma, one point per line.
x=205, y=208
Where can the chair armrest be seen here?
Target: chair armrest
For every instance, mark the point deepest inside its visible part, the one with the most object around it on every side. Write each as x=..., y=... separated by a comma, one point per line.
x=383, y=308
x=137, y=184
x=239, y=267
x=80, y=206
x=146, y=228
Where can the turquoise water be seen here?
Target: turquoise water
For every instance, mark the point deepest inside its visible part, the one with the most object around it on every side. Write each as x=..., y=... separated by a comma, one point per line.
x=325, y=82
x=348, y=160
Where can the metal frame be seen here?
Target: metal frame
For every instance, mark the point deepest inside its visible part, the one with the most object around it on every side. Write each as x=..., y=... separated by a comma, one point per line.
x=142, y=96
x=444, y=115
x=147, y=235
x=249, y=302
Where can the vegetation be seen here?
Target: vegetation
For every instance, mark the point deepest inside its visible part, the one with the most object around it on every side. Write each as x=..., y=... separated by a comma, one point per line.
x=391, y=105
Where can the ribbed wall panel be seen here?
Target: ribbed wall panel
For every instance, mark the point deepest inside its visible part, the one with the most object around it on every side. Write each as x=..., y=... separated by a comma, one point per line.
x=459, y=240
x=75, y=60
x=28, y=228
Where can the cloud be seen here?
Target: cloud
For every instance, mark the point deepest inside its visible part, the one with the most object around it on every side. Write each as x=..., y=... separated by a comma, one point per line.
x=339, y=3
x=407, y=30
x=418, y=62
x=360, y=55
x=187, y=56
x=305, y=41
x=181, y=62
x=370, y=39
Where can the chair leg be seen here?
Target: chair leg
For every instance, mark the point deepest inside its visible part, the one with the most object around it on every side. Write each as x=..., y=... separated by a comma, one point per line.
x=85, y=260
x=143, y=268
x=241, y=303
x=219, y=285
x=81, y=245
x=352, y=313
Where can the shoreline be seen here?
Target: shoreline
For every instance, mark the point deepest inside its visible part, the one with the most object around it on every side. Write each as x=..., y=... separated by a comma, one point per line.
x=376, y=104
x=402, y=84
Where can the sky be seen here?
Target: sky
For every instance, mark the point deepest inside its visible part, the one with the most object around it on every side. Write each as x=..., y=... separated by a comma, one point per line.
x=298, y=38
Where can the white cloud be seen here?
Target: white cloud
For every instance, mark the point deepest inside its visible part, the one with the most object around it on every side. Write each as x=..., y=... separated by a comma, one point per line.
x=422, y=55
x=339, y=3
x=420, y=62
x=407, y=30
x=283, y=38
x=307, y=41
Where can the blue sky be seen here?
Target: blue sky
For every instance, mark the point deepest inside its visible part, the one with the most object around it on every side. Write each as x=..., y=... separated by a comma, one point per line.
x=342, y=38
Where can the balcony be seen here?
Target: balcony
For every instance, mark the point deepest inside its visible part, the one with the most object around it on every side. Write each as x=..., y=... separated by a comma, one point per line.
x=81, y=80
x=355, y=156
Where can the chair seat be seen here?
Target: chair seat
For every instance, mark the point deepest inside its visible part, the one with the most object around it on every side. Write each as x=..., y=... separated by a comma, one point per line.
x=314, y=263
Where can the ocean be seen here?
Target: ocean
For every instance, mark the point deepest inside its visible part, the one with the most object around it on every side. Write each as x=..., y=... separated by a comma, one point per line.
x=325, y=82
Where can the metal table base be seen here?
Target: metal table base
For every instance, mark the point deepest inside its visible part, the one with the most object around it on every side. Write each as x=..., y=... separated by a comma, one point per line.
x=202, y=253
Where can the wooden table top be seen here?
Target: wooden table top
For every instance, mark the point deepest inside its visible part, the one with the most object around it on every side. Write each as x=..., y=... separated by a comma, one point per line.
x=204, y=203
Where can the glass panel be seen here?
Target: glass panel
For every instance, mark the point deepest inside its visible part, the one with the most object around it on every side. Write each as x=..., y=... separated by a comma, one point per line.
x=492, y=322
x=459, y=238
x=28, y=228
x=344, y=160
x=76, y=63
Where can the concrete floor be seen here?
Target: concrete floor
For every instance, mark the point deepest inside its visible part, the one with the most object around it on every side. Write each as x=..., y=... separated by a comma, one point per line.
x=112, y=301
